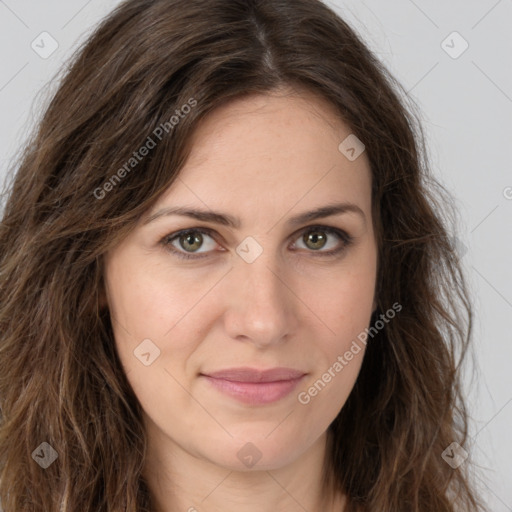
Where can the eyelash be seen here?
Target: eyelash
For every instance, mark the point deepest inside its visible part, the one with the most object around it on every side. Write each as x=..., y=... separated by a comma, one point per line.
x=347, y=240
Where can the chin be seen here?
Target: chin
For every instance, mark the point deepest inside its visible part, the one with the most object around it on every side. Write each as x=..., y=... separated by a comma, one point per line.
x=255, y=453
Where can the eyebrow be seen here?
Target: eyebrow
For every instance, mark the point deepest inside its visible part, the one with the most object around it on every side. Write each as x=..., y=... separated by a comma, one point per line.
x=234, y=222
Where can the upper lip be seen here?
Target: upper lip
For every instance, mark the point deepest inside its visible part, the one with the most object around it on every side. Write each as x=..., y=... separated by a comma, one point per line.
x=246, y=374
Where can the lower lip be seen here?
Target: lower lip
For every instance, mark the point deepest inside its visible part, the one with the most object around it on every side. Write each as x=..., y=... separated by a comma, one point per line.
x=255, y=392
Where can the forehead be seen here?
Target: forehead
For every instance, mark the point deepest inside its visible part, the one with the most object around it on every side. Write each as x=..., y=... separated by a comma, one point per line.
x=285, y=125
x=262, y=150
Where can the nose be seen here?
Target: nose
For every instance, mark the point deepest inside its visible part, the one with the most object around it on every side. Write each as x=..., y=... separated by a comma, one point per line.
x=261, y=307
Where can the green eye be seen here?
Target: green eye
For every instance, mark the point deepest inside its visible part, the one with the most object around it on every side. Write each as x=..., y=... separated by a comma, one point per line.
x=187, y=243
x=197, y=243
x=191, y=241
x=317, y=239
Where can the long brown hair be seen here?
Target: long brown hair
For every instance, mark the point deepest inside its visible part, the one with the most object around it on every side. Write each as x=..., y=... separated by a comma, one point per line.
x=61, y=381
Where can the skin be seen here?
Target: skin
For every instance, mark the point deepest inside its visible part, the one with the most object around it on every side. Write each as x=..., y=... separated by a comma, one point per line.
x=263, y=159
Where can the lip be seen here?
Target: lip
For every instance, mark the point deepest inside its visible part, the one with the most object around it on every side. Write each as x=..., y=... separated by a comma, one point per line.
x=254, y=386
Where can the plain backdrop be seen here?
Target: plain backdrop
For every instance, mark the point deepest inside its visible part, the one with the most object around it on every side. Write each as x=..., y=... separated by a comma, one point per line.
x=454, y=59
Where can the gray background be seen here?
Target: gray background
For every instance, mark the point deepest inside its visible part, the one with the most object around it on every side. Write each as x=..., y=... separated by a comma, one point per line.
x=466, y=103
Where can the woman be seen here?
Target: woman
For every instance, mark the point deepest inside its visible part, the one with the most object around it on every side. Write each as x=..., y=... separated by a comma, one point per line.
x=227, y=283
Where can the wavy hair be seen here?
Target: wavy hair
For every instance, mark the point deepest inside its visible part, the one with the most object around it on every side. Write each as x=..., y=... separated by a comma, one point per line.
x=69, y=202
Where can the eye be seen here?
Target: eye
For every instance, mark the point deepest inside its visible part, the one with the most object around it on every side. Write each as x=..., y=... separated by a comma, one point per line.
x=316, y=238
x=187, y=243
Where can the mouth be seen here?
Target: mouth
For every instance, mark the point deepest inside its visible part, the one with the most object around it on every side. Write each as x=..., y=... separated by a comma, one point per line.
x=253, y=386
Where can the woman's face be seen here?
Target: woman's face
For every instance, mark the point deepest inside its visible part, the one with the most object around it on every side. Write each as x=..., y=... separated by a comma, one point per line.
x=261, y=289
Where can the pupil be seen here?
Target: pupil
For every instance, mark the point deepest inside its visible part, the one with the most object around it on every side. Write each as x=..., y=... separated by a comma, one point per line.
x=191, y=239
x=317, y=240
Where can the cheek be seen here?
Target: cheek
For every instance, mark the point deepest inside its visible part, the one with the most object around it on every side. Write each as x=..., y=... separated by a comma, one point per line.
x=343, y=300
x=327, y=390
x=146, y=299
x=153, y=335
x=157, y=312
